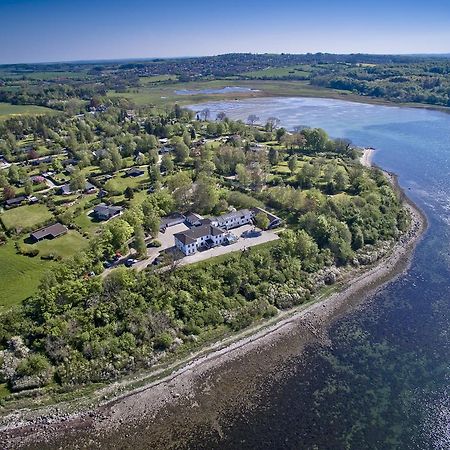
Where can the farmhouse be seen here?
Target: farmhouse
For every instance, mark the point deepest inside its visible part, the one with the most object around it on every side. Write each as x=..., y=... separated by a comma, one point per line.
x=106, y=212
x=50, y=232
x=204, y=236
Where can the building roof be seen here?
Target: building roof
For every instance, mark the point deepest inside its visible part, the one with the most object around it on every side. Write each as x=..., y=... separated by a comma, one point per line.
x=234, y=214
x=107, y=210
x=53, y=230
x=190, y=236
x=193, y=217
x=16, y=200
x=135, y=171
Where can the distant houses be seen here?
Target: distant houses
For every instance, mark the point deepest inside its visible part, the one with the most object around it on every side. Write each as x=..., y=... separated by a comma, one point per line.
x=50, y=232
x=106, y=212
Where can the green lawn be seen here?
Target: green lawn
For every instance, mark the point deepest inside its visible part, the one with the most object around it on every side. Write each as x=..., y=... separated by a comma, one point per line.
x=119, y=183
x=27, y=216
x=19, y=275
x=7, y=110
x=279, y=72
x=63, y=246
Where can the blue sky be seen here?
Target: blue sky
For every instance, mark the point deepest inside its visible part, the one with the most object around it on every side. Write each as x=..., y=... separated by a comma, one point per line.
x=65, y=30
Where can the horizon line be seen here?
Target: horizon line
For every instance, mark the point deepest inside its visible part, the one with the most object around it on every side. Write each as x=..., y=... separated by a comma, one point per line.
x=149, y=58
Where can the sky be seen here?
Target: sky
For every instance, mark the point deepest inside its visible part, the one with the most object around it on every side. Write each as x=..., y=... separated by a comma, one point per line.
x=71, y=30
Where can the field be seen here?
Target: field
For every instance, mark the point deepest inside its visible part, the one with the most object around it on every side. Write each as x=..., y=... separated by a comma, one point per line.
x=279, y=72
x=119, y=183
x=7, y=110
x=25, y=216
x=63, y=246
x=19, y=275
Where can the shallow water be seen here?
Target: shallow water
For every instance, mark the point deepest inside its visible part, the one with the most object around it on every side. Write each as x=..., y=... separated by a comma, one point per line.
x=384, y=381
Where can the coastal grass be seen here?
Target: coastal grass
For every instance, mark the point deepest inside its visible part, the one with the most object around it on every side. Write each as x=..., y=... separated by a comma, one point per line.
x=27, y=216
x=19, y=275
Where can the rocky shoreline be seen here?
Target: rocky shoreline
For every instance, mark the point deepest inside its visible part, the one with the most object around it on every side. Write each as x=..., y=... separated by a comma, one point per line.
x=261, y=346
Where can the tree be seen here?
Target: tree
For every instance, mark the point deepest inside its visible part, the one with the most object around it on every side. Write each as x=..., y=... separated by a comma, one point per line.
x=139, y=242
x=28, y=187
x=106, y=165
x=181, y=152
x=77, y=180
x=252, y=119
x=206, y=195
x=180, y=186
x=242, y=174
x=153, y=156
x=280, y=133
x=272, y=123
x=204, y=114
x=120, y=232
x=116, y=159
x=292, y=164
x=341, y=179
x=13, y=174
x=262, y=221
x=129, y=193
x=273, y=156
x=8, y=192
x=154, y=173
x=167, y=164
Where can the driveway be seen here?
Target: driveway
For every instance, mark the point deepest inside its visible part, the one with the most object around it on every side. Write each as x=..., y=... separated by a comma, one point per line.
x=167, y=240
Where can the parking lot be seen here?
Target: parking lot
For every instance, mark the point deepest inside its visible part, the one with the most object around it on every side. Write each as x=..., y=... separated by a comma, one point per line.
x=167, y=241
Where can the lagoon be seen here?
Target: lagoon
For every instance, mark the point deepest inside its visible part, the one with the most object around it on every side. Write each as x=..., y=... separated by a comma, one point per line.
x=383, y=381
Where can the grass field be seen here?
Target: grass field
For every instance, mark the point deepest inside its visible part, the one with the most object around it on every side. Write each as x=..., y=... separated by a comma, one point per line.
x=63, y=246
x=25, y=216
x=7, y=110
x=19, y=275
x=279, y=72
x=157, y=79
x=119, y=183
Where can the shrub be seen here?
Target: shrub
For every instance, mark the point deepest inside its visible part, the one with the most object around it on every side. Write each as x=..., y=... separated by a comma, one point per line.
x=155, y=243
x=33, y=365
x=163, y=341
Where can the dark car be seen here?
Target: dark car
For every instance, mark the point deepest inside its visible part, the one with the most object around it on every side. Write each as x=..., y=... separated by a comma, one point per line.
x=130, y=261
x=107, y=264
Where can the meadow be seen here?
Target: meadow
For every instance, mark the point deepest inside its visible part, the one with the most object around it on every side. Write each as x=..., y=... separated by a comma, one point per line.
x=7, y=110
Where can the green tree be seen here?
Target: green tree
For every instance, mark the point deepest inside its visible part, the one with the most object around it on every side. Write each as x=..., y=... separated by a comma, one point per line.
x=129, y=193
x=77, y=180
x=28, y=187
x=167, y=164
x=273, y=156
x=139, y=242
x=121, y=231
x=292, y=164
x=262, y=221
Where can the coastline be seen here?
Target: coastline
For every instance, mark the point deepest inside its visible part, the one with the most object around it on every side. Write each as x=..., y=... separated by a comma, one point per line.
x=121, y=405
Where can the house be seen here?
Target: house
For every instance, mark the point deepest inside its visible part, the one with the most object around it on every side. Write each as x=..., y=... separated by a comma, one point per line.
x=65, y=189
x=193, y=220
x=50, y=232
x=274, y=221
x=171, y=220
x=165, y=149
x=106, y=212
x=16, y=201
x=135, y=172
x=191, y=240
x=233, y=219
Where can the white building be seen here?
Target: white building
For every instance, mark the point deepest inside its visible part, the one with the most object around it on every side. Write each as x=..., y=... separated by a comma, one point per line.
x=233, y=219
x=204, y=236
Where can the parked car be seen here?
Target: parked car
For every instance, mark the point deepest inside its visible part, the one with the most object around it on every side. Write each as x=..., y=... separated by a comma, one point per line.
x=107, y=264
x=130, y=261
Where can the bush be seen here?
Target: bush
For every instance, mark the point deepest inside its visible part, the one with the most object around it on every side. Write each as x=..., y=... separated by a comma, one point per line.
x=163, y=341
x=26, y=250
x=33, y=365
x=155, y=243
